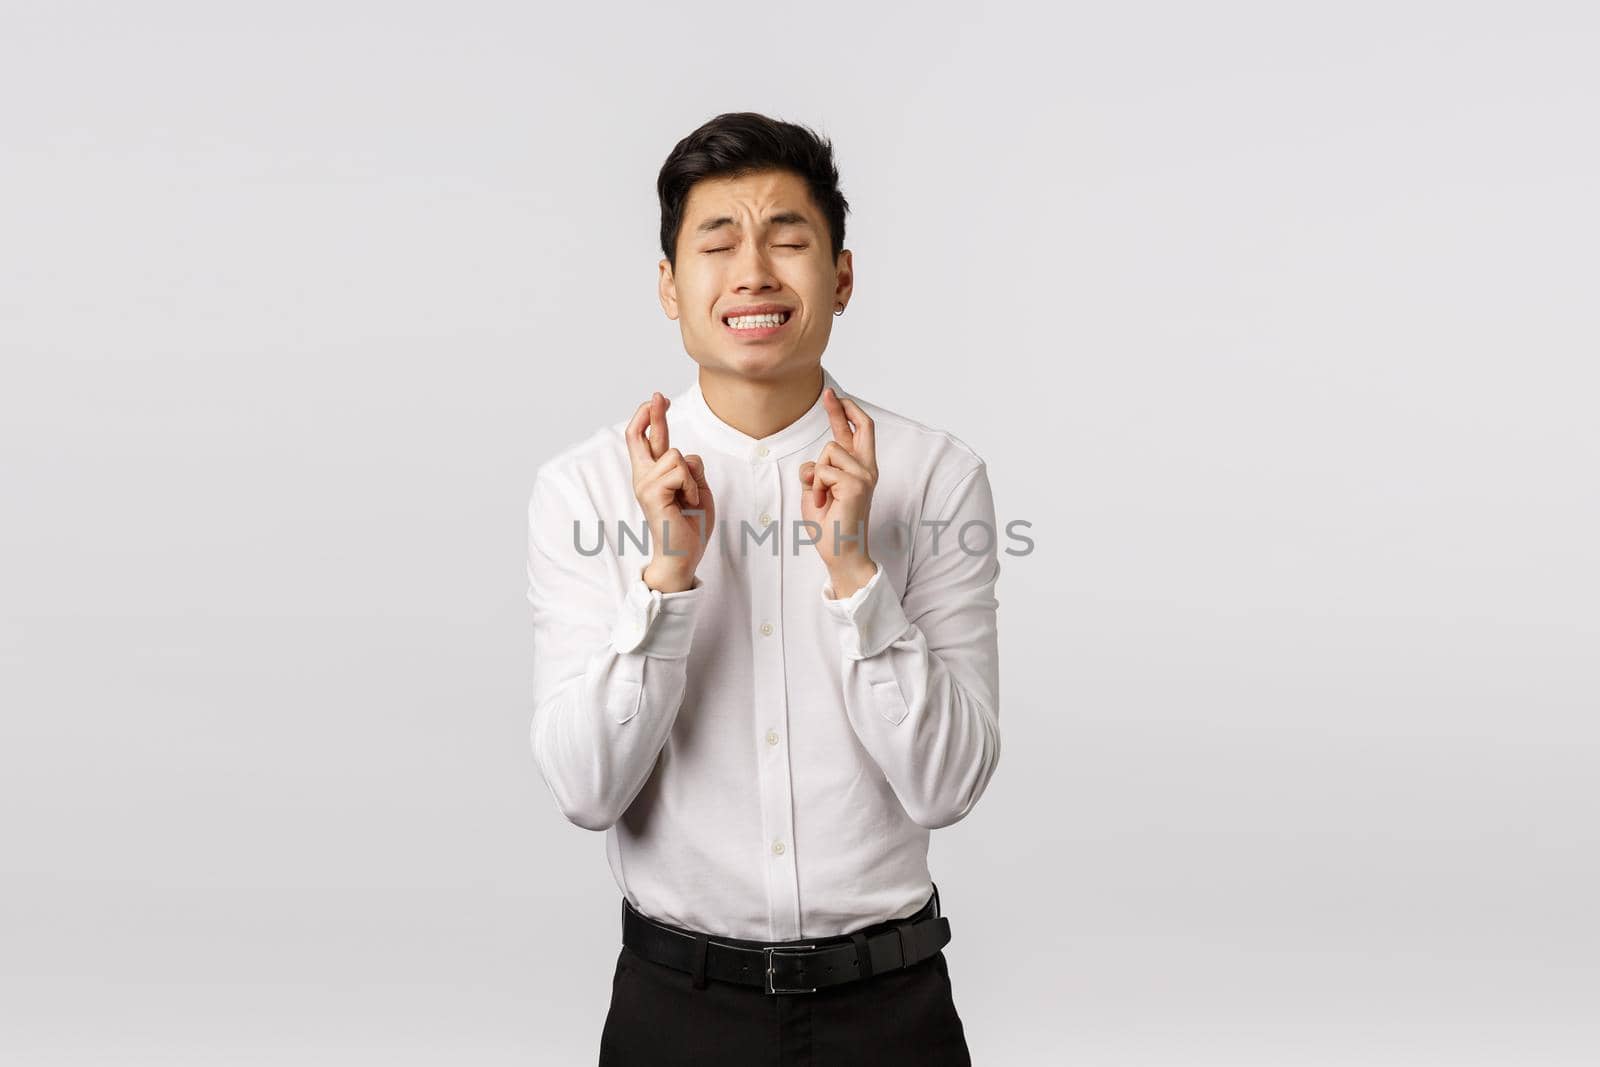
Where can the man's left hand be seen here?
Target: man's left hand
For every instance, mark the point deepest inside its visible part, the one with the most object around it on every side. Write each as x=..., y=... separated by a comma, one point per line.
x=837, y=494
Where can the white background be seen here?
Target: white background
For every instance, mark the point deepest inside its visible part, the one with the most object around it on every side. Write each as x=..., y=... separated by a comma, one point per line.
x=1276, y=321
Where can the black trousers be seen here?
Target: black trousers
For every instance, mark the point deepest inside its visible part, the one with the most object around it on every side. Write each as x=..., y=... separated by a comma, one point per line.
x=658, y=1019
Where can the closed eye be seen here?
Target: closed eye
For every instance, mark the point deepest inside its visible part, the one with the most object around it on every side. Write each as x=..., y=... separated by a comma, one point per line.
x=708, y=251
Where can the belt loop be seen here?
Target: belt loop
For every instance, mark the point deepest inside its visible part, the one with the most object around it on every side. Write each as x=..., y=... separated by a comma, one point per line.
x=936, y=900
x=863, y=954
x=699, y=959
x=907, y=944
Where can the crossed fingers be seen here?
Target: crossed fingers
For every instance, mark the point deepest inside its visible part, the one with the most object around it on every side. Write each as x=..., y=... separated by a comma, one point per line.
x=653, y=458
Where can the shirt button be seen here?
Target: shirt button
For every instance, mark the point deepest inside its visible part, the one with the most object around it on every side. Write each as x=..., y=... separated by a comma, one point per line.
x=766, y=629
x=772, y=737
x=762, y=451
x=777, y=847
x=766, y=520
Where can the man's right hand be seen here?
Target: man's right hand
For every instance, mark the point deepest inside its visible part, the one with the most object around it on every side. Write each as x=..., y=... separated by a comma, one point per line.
x=665, y=482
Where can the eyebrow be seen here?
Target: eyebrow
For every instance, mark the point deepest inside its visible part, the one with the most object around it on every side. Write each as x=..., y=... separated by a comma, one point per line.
x=781, y=218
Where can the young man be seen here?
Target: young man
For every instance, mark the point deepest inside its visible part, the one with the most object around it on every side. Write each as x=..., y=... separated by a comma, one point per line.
x=770, y=700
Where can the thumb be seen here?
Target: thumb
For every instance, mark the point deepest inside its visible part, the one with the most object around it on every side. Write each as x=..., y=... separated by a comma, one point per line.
x=697, y=467
x=808, y=499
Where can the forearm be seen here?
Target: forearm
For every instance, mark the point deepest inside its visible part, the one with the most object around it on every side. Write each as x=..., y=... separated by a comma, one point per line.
x=606, y=705
x=597, y=737
x=929, y=719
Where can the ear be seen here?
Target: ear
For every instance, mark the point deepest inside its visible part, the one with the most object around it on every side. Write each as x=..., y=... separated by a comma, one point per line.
x=667, y=289
x=844, y=273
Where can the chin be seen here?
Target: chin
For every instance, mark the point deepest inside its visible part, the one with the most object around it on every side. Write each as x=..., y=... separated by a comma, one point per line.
x=752, y=361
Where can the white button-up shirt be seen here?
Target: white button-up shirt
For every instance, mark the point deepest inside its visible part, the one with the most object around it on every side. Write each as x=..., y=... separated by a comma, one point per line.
x=767, y=761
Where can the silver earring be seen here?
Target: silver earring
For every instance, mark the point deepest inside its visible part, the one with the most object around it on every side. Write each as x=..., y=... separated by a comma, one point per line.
x=839, y=311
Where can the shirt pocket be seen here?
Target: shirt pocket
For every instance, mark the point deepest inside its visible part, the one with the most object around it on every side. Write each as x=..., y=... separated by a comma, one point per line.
x=889, y=701
x=623, y=694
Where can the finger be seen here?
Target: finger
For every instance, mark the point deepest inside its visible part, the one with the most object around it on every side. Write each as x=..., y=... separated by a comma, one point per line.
x=658, y=425
x=836, y=455
x=638, y=448
x=866, y=441
x=834, y=478
x=691, y=484
x=698, y=467
x=673, y=462
x=842, y=484
x=702, y=489
x=837, y=417
x=817, y=491
x=672, y=477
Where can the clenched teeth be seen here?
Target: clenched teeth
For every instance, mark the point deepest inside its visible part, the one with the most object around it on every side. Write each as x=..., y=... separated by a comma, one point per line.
x=750, y=322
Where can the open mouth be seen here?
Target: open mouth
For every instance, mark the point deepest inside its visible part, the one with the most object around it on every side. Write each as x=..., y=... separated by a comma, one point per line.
x=760, y=325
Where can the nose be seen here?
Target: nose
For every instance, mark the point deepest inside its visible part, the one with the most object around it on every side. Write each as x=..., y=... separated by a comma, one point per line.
x=752, y=270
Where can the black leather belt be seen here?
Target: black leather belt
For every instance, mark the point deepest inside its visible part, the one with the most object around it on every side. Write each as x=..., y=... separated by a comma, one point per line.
x=790, y=966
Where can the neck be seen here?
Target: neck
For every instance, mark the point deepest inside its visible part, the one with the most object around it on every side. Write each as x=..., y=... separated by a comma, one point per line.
x=760, y=407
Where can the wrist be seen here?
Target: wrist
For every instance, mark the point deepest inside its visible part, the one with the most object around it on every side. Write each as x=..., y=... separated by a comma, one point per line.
x=847, y=579
x=666, y=579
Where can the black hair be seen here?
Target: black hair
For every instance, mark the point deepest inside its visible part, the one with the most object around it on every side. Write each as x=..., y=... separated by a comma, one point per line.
x=740, y=142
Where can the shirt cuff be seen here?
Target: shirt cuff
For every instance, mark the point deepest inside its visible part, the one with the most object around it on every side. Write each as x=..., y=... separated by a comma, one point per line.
x=657, y=624
x=870, y=619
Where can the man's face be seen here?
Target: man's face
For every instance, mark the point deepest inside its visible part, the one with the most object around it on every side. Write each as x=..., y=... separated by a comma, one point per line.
x=747, y=243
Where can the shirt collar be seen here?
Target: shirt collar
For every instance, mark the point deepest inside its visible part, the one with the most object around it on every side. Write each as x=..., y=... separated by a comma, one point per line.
x=718, y=434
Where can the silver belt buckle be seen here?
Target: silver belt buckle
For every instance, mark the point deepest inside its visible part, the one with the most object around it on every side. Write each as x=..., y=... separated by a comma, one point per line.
x=787, y=950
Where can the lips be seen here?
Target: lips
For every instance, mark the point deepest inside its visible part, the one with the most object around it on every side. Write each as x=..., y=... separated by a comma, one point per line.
x=757, y=333
x=757, y=309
